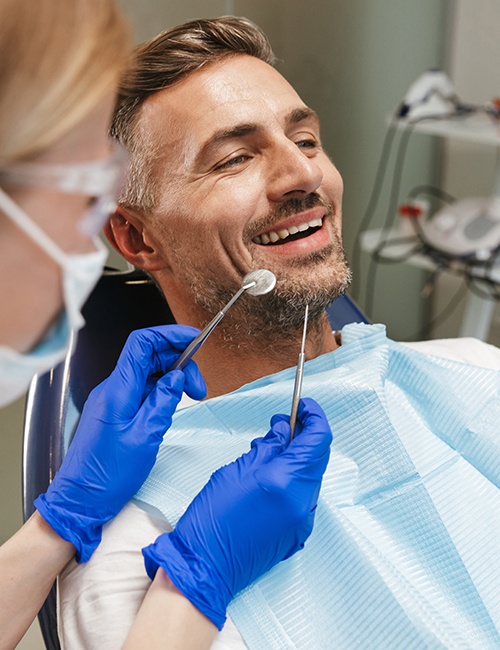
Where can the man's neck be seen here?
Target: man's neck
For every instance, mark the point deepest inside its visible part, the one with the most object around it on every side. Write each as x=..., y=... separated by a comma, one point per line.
x=226, y=367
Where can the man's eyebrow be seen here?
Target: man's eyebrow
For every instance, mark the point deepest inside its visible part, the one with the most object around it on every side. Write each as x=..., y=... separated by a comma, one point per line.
x=298, y=115
x=223, y=135
x=295, y=116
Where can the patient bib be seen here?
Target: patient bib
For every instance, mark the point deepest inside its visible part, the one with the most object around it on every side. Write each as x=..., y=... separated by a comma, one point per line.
x=406, y=543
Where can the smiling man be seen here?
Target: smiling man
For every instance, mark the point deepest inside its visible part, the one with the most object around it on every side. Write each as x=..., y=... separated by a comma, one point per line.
x=241, y=182
x=228, y=175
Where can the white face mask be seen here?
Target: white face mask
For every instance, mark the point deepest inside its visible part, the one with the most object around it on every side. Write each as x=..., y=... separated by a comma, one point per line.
x=80, y=273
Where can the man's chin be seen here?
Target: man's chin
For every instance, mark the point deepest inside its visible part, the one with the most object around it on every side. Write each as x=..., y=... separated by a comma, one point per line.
x=280, y=313
x=315, y=279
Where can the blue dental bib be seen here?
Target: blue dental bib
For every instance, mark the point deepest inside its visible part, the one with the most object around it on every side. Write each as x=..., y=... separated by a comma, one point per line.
x=406, y=544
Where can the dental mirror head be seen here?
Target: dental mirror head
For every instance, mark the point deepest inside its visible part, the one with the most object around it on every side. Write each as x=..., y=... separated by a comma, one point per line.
x=256, y=282
x=259, y=282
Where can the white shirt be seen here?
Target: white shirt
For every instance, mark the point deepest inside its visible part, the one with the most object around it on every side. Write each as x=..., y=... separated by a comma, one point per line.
x=99, y=600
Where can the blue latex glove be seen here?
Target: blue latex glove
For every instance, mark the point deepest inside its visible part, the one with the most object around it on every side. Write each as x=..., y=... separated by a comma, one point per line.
x=120, y=431
x=252, y=514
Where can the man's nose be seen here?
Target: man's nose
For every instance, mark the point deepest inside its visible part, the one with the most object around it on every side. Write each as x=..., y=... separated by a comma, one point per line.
x=292, y=173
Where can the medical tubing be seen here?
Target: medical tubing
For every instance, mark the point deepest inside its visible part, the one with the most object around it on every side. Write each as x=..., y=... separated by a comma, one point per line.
x=373, y=201
x=392, y=209
x=474, y=284
x=393, y=198
x=433, y=191
x=426, y=330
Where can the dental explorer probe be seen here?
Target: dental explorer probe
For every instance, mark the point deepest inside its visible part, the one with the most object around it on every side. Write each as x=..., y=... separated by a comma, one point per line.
x=298, y=379
x=256, y=283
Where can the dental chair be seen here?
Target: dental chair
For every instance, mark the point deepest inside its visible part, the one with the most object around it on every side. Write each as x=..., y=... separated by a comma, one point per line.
x=121, y=302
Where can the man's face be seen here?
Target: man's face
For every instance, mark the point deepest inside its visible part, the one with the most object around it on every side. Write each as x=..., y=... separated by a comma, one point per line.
x=246, y=185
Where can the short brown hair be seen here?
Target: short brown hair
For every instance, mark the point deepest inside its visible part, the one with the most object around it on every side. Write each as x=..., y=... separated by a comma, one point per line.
x=161, y=62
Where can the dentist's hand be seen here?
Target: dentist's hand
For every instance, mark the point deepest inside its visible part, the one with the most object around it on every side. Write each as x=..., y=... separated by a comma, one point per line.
x=120, y=431
x=251, y=514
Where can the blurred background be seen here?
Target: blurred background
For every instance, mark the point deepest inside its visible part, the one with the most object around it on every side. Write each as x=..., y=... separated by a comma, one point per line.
x=353, y=62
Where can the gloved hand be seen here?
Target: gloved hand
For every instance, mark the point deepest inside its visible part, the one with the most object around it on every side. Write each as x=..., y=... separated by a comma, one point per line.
x=120, y=431
x=251, y=514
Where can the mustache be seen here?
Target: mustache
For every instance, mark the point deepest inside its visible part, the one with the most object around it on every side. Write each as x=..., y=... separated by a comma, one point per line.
x=285, y=209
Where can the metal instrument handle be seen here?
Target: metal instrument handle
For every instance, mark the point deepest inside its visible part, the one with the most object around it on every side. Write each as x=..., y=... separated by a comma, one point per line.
x=297, y=389
x=197, y=342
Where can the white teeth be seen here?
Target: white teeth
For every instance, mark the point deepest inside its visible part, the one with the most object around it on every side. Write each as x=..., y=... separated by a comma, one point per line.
x=274, y=236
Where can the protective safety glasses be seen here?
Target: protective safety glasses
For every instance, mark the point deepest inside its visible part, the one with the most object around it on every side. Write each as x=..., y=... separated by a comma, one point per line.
x=100, y=179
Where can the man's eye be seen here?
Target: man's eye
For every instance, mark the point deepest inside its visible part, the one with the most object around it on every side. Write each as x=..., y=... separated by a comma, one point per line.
x=232, y=162
x=307, y=144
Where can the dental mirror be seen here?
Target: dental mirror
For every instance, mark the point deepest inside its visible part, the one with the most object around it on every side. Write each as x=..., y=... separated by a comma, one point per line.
x=261, y=281
x=256, y=283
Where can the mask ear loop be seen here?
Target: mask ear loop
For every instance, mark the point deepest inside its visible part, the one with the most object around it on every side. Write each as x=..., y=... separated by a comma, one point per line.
x=31, y=229
x=96, y=216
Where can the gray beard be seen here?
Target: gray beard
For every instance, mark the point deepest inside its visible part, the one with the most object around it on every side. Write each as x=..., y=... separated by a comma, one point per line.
x=270, y=320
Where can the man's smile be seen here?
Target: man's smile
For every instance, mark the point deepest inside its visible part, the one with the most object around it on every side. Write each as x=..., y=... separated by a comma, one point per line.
x=288, y=234
x=296, y=230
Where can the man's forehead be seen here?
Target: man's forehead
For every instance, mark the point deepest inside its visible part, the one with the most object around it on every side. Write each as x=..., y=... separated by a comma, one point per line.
x=236, y=95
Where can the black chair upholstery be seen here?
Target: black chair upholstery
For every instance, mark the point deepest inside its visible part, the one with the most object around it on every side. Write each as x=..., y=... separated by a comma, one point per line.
x=120, y=303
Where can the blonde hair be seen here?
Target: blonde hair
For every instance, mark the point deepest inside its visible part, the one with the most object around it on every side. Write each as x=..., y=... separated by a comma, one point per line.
x=58, y=60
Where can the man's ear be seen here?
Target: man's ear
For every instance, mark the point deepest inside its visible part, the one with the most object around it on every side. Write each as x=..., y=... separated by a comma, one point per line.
x=125, y=231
